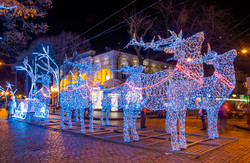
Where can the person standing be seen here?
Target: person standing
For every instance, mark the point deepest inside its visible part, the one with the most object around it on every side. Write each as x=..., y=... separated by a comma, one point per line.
x=11, y=107
x=223, y=115
x=202, y=113
x=143, y=117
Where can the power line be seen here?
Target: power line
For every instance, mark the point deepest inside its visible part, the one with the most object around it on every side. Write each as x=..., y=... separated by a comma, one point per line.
x=104, y=32
x=233, y=27
x=235, y=37
x=100, y=22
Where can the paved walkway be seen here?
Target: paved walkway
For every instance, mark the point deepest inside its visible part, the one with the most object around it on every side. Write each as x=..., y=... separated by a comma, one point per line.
x=22, y=142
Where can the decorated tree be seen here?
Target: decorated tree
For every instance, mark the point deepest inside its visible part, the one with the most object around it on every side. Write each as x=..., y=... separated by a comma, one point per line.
x=21, y=24
x=58, y=45
x=195, y=16
x=139, y=26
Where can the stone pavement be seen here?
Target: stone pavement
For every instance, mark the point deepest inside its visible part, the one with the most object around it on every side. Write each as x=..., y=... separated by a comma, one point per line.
x=22, y=142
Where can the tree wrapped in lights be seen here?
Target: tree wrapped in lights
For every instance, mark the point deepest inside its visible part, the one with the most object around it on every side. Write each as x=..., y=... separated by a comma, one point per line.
x=38, y=100
x=81, y=95
x=30, y=72
x=169, y=87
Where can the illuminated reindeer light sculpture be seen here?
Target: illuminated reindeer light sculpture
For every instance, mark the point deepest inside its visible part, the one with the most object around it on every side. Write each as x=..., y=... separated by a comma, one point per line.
x=81, y=95
x=132, y=96
x=216, y=88
x=172, y=87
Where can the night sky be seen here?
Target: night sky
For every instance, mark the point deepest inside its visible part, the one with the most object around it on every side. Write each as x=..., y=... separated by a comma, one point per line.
x=80, y=15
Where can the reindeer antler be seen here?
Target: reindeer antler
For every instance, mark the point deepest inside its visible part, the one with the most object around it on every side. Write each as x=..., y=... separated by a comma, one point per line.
x=123, y=68
x=210, y=53
x=26, y=67
x=156, y=45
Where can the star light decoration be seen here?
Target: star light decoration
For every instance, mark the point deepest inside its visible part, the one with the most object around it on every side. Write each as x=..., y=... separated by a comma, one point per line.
x=82, y=95
x=9, y=87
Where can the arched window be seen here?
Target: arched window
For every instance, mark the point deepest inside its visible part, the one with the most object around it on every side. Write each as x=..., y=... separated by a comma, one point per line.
x=104, y=75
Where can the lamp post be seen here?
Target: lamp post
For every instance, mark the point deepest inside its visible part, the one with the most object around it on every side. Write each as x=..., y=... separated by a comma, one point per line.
x=54, y=92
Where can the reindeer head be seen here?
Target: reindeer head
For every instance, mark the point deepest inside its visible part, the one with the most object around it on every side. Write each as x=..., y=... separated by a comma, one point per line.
x=185, y=50
x=212, y=58
x=125, y=69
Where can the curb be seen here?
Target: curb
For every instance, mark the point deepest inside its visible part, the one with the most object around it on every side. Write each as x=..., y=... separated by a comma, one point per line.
x=243, y=128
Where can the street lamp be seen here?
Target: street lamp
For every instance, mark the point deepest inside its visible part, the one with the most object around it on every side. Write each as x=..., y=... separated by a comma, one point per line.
x=54, y=91
x=244, y=51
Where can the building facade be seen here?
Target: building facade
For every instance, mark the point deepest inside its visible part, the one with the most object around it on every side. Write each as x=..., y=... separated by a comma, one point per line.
x=112, y=59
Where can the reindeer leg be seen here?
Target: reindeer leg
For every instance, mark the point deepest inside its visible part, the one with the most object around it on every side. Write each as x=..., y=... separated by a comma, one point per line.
x=134, y=115
x=167, y=123
x=62, y=117
x=107, y=114
x=182, y=136
x=77, y=112
x=212, y=116
x=69, y=112
x=82, y=110
x=173, y=127
x=102, y=113
x=91, y=113
x=126, y=137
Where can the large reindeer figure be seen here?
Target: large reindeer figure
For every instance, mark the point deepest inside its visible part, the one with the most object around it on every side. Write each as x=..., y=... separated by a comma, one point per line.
x=216, y=88
x=173, y=86
x=83, y=94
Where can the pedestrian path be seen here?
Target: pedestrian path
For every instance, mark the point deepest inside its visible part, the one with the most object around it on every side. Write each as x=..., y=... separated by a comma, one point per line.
x=158, y=140
x=22, y=142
